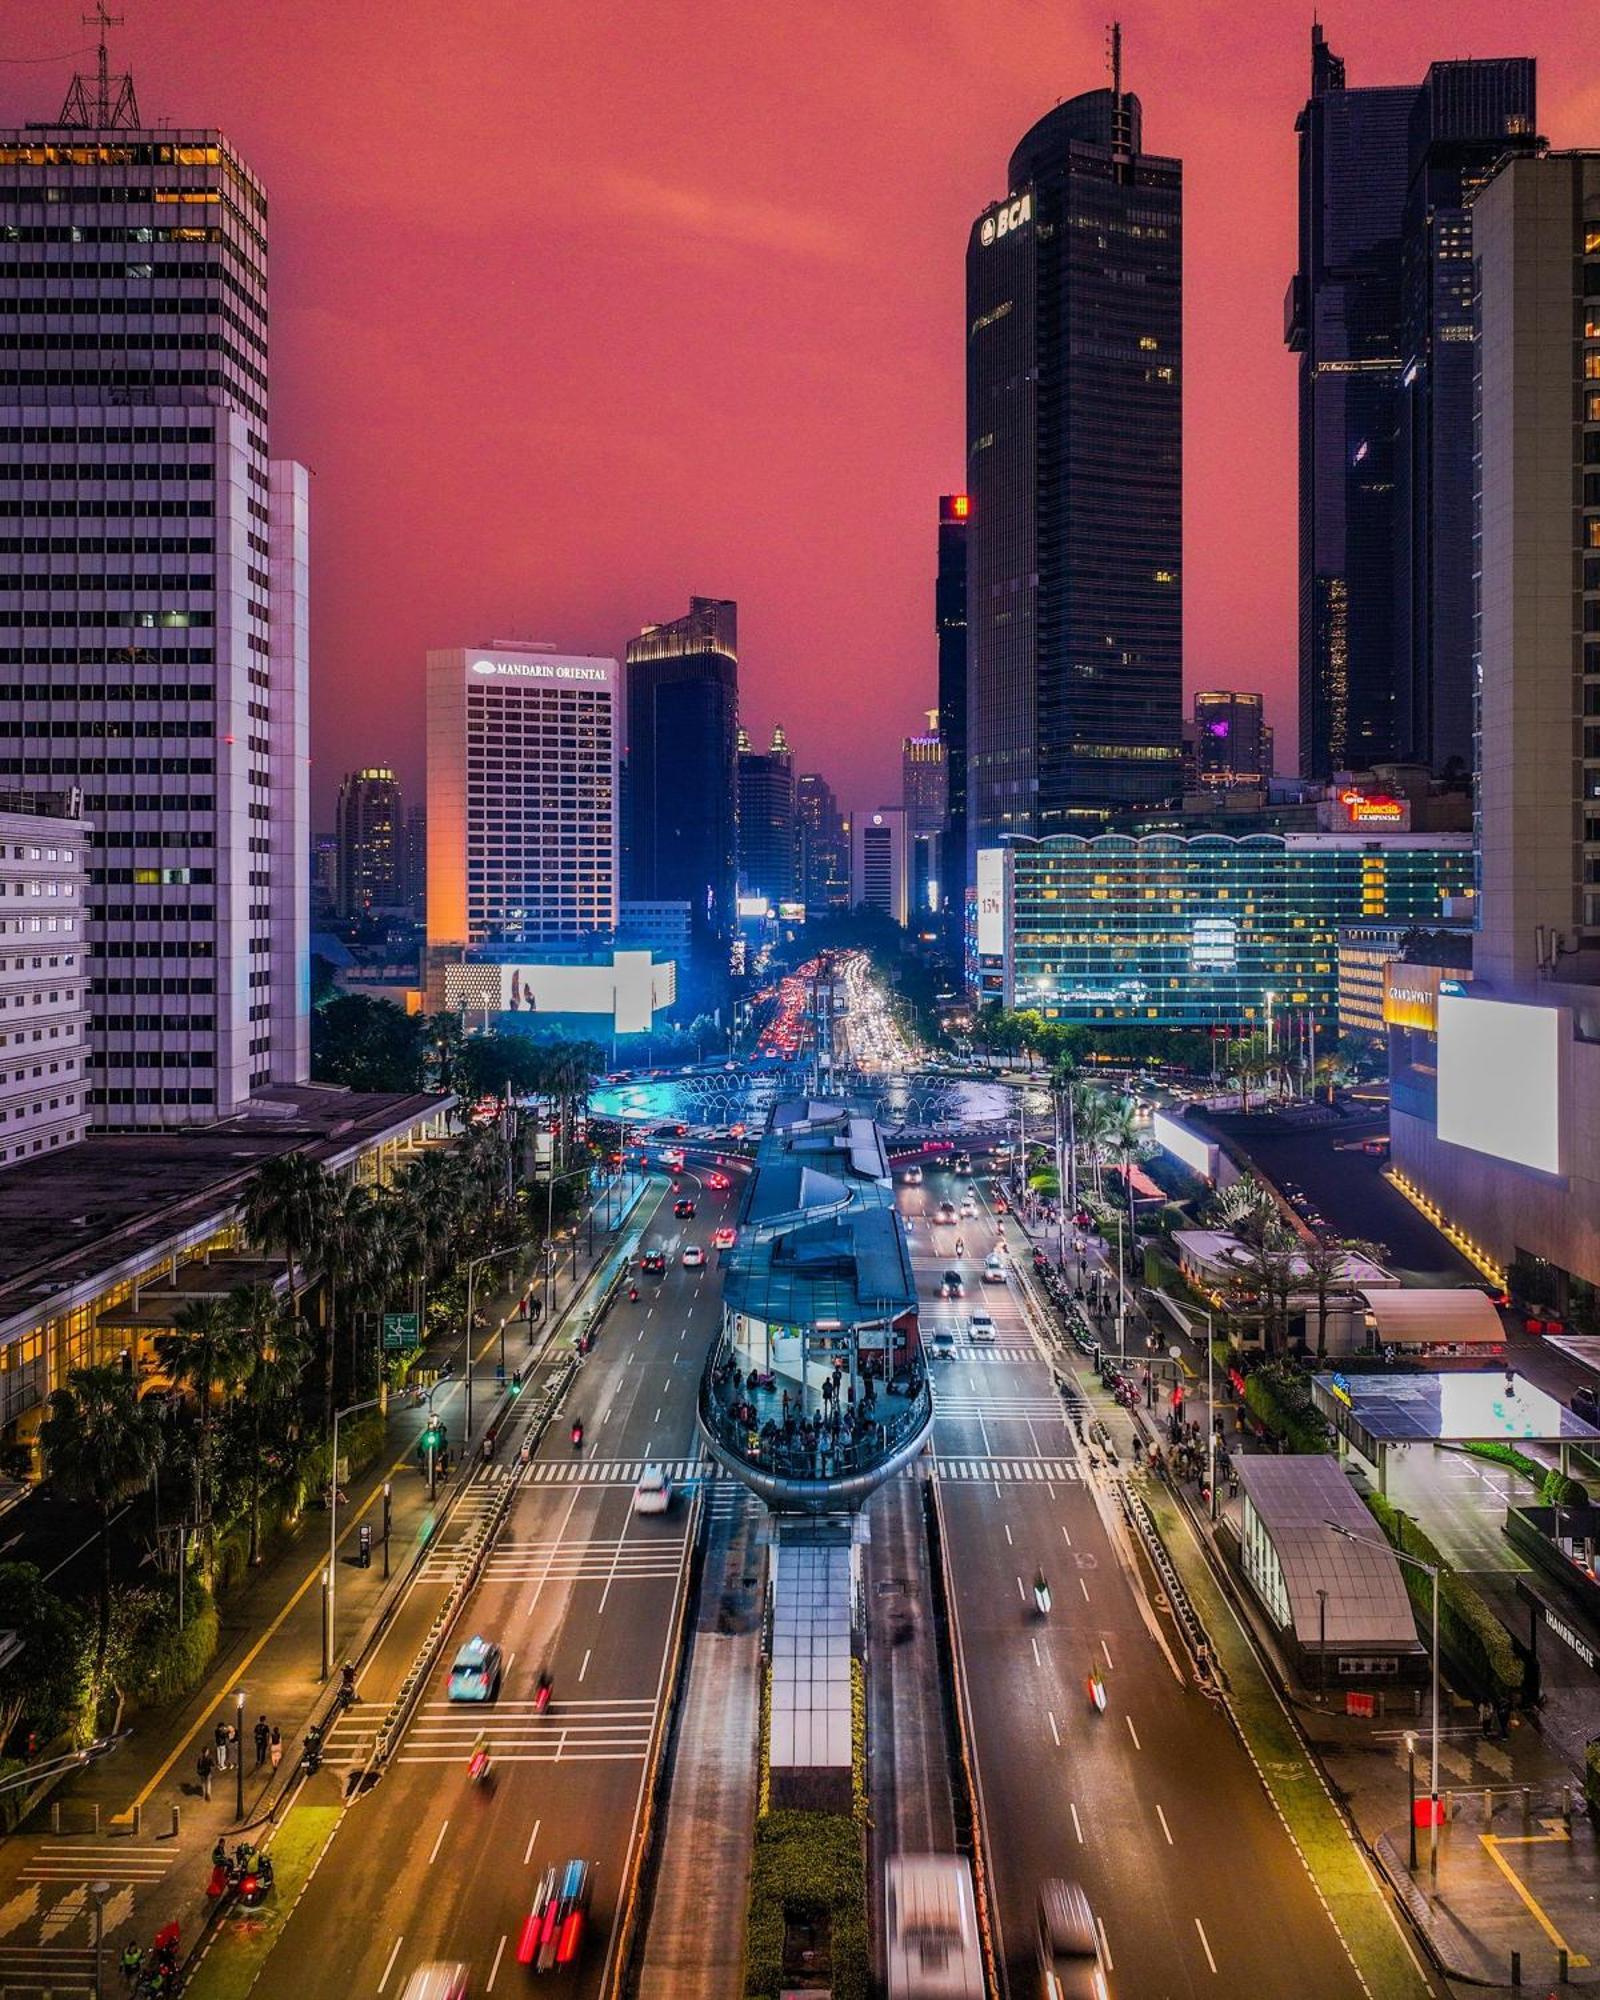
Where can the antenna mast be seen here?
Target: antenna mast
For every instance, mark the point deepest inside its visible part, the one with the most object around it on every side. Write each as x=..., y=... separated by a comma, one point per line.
x=108, y=108
x=1121, y=118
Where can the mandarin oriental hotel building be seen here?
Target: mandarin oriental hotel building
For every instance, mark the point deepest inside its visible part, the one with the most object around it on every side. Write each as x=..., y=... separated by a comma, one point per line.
x=1209, y=930
x=522, y=797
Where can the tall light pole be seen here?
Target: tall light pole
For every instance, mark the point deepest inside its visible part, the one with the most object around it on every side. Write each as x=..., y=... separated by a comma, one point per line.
x=488, y=1257
x=1431, y=1570
x=238, y=1757
x=354, y=1409
x=1122, y=1297
x=1211, y=1413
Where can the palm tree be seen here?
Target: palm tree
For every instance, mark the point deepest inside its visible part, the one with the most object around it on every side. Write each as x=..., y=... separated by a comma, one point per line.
x=1323, y=1264
x=285, y=1208
x=1125, y=1148
x=274, y=1349
x=191, y=1355
x=100, y=1445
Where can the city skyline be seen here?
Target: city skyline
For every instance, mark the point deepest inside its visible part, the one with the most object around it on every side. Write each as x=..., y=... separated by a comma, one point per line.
x=744, y=252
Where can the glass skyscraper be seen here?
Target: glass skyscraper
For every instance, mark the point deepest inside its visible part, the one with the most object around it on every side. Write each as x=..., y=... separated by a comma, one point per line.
x=1197, y=932
x=1379, y=312
x=1074, y=470
x=950, y=621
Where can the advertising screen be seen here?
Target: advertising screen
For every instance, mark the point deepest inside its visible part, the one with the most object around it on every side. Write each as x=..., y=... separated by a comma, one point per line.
x=991, y=901
x=1500, y=1075
x=1184, y=1144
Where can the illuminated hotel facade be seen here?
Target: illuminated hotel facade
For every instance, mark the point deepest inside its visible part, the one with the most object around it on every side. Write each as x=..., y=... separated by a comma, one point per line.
x=1197, y=932
x=522, y=797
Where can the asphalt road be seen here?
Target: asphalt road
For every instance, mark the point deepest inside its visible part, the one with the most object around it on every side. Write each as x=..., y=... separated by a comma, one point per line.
x=1154, y=1806
x=427, y=1866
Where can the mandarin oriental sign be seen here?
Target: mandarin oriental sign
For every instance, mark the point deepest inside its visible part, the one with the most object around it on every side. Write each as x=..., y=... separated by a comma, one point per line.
x=543, y=670
x=1008, y=216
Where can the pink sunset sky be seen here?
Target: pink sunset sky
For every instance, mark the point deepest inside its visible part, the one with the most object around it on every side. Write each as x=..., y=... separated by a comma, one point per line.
x=580, y=308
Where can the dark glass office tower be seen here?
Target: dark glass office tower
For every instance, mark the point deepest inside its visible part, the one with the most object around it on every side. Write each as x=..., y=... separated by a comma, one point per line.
x=1379, y=315
x=766, y=819
x=1074, y=469
x=683, y=698
x=950, y=625
x=1467, y=118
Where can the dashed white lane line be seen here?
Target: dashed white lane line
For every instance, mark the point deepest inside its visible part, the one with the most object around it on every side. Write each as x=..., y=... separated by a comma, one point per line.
x=394, y=1953
x=1084, y=1588
x=527, y=1852
x=1200, y=1927
x=1020, y=1591
x=1066, y=1538
x=495, y=1968
x=1107, y=1651
x=1056, y=1733
x=585, y=1668
x=1128, y=1719
x=1009, y=1542
x=1167, y=1830
x=443, y=1829
x=1105, y=1945
x=1036, y=1659
x=1077, y=1824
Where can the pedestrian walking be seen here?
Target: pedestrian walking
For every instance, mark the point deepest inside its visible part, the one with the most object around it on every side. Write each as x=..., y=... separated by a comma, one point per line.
x=220, y=1738
x=203, y=1767
x=235, y=1747
x=263, y=1738
x=132, y=1963
x=275, y=1747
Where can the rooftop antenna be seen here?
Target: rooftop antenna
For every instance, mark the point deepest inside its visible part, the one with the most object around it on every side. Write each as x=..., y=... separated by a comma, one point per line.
x=1121, y=118
x=107, y=109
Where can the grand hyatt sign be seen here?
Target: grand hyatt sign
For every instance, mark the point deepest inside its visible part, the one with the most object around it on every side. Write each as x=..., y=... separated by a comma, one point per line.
x=542, y=670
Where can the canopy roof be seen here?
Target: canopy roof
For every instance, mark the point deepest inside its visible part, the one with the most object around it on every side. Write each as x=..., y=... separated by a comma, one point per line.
x=1461, y=1317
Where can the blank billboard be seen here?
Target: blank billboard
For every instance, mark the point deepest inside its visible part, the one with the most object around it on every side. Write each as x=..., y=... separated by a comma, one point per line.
x=1184, y=1144
x=1500, y=1079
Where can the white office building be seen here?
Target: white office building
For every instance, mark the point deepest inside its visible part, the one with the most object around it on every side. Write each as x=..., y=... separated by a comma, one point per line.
x=880, y=873
x=153, y=644
x=44, y=975
x=522, y=798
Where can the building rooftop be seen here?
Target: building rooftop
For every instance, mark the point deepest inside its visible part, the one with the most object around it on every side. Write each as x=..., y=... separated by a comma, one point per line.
x=68, y=1216
x=819, y=1235
x=1295, y=1499
x=1223, y=1254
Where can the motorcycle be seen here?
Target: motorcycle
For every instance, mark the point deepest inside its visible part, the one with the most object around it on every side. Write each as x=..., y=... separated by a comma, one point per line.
x=1041, y=1595
x=542, y=1694
x=478, y=1762
x=255, y=1883
x=577, y=1434
x=1097, y=1691
x=311, y=1755
x=633, y=1295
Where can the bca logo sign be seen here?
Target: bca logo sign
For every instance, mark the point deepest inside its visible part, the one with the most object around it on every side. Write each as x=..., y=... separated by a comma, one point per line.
x=1001, y=221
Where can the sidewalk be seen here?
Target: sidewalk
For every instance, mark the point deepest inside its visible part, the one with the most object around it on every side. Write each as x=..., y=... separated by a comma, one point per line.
x=137, y=1818
x=1516, y=1874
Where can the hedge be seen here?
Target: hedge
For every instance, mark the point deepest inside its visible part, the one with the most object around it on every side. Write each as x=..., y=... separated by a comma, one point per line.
x=160, y=1663
x=1591, y=1776
x=1507, y=1454
x=1284, y=1405
x=810, y=1864
x=1560, y=1491
x=1476, y=1646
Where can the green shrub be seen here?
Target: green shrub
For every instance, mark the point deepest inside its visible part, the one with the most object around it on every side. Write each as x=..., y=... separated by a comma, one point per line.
x=152, y=1661
x=807, y=1864
x=1281, y=1398
x=1507, y=1454
x=1560, y=1491
x=1476, y=1647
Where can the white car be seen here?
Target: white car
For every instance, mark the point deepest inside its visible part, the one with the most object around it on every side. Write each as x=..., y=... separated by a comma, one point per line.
x=693, y=1257
x=994, y=1269
x=980, y=1329
x=653, y=1494
x=969, y=1209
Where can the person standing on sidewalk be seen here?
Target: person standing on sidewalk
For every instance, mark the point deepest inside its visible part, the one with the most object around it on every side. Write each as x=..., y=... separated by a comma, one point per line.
x=275, y=1747
x=263, y=1738
x=220, y=1738
x=203, y=1766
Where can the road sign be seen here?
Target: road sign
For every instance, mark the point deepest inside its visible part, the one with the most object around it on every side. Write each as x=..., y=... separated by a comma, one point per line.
x=399, y=1332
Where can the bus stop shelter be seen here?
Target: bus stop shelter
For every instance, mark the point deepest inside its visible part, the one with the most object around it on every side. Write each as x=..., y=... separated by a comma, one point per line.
x=1374, y=1413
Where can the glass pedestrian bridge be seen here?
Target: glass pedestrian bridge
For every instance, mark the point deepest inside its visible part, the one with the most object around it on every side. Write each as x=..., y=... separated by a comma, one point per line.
x=816, y=1391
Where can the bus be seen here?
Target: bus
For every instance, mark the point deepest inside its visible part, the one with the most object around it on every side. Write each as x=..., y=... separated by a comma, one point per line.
x=931, y=1928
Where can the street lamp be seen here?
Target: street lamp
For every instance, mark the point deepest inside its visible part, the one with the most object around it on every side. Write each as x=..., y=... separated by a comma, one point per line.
x=1411, y=1785
x=238, y=1755
x=1211, y=1412
x=100, y=1892
x=1431, y=1570
x=354, y=1409
x=488, y=1257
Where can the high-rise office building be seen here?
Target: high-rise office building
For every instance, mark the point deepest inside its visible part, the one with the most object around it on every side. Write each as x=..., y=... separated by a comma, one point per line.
x=44, y=973
x=1232, y=741
x=1379, y=312
x=522, y=797
x=683, y=700
x=416, y=862
x=766, y=819
x=950, y=627
x=1536, y=236
x=154, y=596
x=1074, y=472
x=925, y=795
x=822, y=847
x=880, y=862
x=371, y=833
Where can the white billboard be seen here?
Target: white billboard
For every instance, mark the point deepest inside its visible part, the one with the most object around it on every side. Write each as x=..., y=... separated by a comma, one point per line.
x=632, y=989
x=1176, y=1138
x=992, y=902
x=1500, y=1079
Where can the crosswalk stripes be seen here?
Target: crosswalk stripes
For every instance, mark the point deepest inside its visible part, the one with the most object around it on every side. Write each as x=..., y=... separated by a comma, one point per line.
x=1013, y=1471
x=606, y=1471
x=106, y=1861
x=1011, y=1353
x=569, y=1732
x=956, y=1405
x=628, y=1560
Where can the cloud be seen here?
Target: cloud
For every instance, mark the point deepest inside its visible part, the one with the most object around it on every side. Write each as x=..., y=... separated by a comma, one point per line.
x=731, y=219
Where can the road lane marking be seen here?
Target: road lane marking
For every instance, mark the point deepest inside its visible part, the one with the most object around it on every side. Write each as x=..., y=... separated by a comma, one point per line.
x=393, y=1955
x=607, y=1417
x=1056, y=1733
x=1105, y=1945
x=1020, y=1591
x=1009, y=1542
x=1107, y=1651
x=1200, y=1927
x=1077, y=1824
x=657, y=1417
x=1066, y=1538
x=527, y=1852
x=1492, y=1844
x=585, y=1668
x=1084, y=1588
x=1128, y=1719
x=494, y=1969
x=443, y=1828
x=1036, y=1659
x=1167, y=1830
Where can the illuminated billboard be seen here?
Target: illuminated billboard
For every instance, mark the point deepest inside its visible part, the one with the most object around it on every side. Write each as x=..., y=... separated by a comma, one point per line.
x=1184, y=1143
x=1411, y=995
x=632, y=989
x=1500, y=1079
x=991, y=902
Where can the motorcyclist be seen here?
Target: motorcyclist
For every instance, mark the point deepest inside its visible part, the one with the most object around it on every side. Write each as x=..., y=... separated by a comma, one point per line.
x=633, y=1295
x=577, y=1433
x=544, y=1687
x=478, y=1762
x=132, y=1963
x=347, y=1683
x=1041, y=1589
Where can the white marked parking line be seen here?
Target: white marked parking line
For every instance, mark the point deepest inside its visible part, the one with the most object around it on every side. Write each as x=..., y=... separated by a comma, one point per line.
x=393, y=1955
x=1200, y=1927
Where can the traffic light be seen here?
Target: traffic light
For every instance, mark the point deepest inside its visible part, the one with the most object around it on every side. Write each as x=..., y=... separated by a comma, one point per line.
x=516, y=1381
x=432, y=1438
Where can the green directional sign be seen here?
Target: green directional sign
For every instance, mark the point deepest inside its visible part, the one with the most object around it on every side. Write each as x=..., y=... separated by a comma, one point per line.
x=399, y=1332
